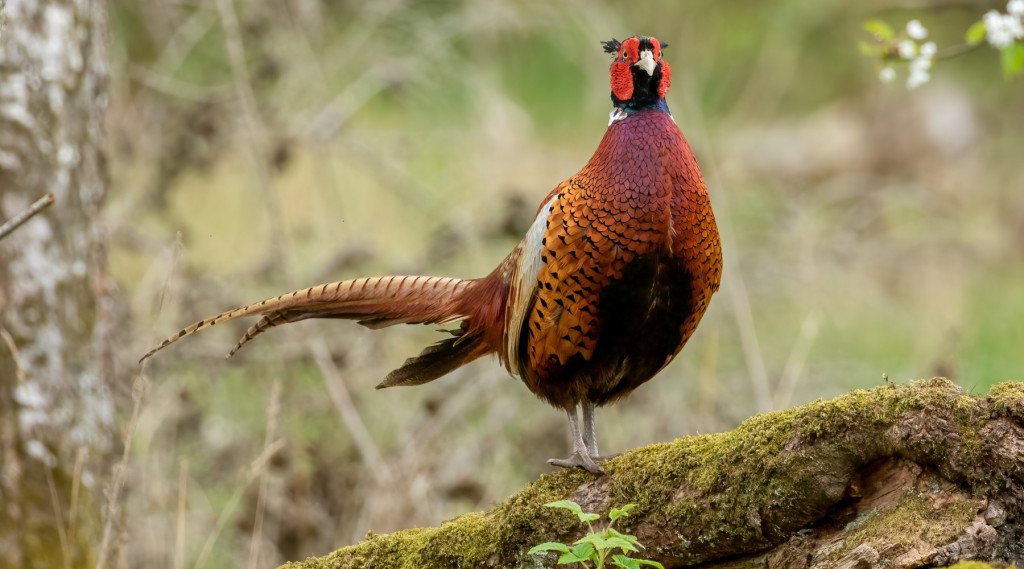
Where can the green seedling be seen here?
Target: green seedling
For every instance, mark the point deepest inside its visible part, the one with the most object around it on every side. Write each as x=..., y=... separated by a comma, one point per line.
x=597, y=548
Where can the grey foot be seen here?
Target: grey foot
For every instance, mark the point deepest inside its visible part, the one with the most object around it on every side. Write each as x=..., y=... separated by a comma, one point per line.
x=577, y=460
x=606, y=457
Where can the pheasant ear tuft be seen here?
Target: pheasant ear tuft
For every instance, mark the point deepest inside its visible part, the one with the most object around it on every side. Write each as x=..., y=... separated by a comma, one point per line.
x=663, y=44
x=611, y=46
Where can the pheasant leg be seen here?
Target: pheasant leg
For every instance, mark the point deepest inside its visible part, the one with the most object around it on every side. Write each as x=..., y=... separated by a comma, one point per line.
x=580, y=456
x=590, y=433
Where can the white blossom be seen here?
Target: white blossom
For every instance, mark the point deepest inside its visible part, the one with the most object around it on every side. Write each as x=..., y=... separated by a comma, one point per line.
x=887, y=74
x=921, y=64
x=1014, y=24
x=929, y=49
x=917, y=31
x=907, y=49
x=919, y=72
x=1015, y=7
x=1002, y=29
x=917, y=78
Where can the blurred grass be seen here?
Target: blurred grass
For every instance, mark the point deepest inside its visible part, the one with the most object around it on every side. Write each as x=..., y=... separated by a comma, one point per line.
x=875, y=231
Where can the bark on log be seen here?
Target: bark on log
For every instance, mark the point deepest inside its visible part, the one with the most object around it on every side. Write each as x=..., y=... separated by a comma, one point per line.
x=918, y=475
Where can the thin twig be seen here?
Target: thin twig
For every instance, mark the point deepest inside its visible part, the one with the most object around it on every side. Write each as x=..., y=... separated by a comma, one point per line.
x=183, y=41
x=343, y=404
x=249, y=475
x=957, y=50
x=62, y=534
x=140, y=388
x=167, y=85
x=257, y=130
x=76, y=485
x=707, y=386
x=892, y=52
x=179, y=533
x=273, y=413
x=16, y=221
x=748, y=336
x=19, y=370
x=175, y=256
x=793, y=371
x=933, y=5
x=452, y=407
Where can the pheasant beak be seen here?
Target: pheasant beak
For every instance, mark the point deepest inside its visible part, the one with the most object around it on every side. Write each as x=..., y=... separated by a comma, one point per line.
x=646, y=62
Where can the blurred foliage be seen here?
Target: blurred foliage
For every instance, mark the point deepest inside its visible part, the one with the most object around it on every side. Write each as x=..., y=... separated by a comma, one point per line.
x=867, y=230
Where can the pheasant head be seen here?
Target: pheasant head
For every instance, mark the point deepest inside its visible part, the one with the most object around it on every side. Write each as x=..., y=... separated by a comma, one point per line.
x=640, y=77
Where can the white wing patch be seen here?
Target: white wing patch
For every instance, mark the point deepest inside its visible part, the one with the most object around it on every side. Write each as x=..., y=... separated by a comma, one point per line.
x=524, y=284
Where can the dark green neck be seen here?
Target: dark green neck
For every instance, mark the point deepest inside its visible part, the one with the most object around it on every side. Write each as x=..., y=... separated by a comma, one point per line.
x=645, y=93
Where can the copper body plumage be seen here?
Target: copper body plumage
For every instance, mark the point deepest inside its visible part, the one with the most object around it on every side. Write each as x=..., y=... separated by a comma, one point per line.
x=604, y=290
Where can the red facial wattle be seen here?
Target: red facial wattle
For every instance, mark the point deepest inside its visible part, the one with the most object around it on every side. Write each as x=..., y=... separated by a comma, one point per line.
x=622, y=74
x=629, y=56
x=666, y=79
x=622, y=80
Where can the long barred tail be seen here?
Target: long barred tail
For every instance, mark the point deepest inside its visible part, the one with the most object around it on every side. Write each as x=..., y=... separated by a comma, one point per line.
x=375, y=302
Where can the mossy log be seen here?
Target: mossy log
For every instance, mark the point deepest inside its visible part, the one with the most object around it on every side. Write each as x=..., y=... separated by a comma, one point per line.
x=917, y=475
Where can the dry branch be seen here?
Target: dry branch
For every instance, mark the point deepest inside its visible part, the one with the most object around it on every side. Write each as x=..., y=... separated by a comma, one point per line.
x=919, y=475
x=16, y=221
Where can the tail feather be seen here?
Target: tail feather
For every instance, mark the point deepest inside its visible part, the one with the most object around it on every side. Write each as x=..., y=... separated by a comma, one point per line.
x=437, y=360
x=374, y=302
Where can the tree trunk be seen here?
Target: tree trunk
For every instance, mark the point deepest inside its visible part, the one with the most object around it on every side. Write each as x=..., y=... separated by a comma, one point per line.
x=919, y=475
x=56, y=410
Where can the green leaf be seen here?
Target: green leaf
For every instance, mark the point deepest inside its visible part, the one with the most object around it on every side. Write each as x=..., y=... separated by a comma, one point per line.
x=976, y=33
x=1012, y=57
x=580, y=553
x=881, y=30
x=549, y=546
x=625, y=562
x=620, y=543
x=566, y=505
x=650, y=563
x=574, y=508
x=870, y=49
x=616, y=533
x=594, y=540
x=617, y=513
x=584, y=550
x=568, y=558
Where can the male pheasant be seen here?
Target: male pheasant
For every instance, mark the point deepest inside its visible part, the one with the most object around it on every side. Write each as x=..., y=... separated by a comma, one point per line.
x=603, y=291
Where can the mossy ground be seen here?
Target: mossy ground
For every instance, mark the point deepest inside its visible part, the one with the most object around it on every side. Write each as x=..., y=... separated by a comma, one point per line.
x=737, y=492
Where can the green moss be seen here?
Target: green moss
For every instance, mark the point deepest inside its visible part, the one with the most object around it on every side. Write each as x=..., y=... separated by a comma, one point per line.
x=524, y=519
x=469, y=539
x=1008, y=399
x=758, y=466
x=914, y=519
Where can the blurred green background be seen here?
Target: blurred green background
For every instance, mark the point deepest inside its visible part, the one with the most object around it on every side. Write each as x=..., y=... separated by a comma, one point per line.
x=263, y=146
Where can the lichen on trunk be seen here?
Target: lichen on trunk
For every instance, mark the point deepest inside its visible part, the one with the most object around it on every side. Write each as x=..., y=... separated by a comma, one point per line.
x=916, y=475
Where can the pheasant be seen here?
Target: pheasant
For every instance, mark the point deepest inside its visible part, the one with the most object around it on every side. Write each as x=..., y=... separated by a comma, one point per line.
x=606, y=287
